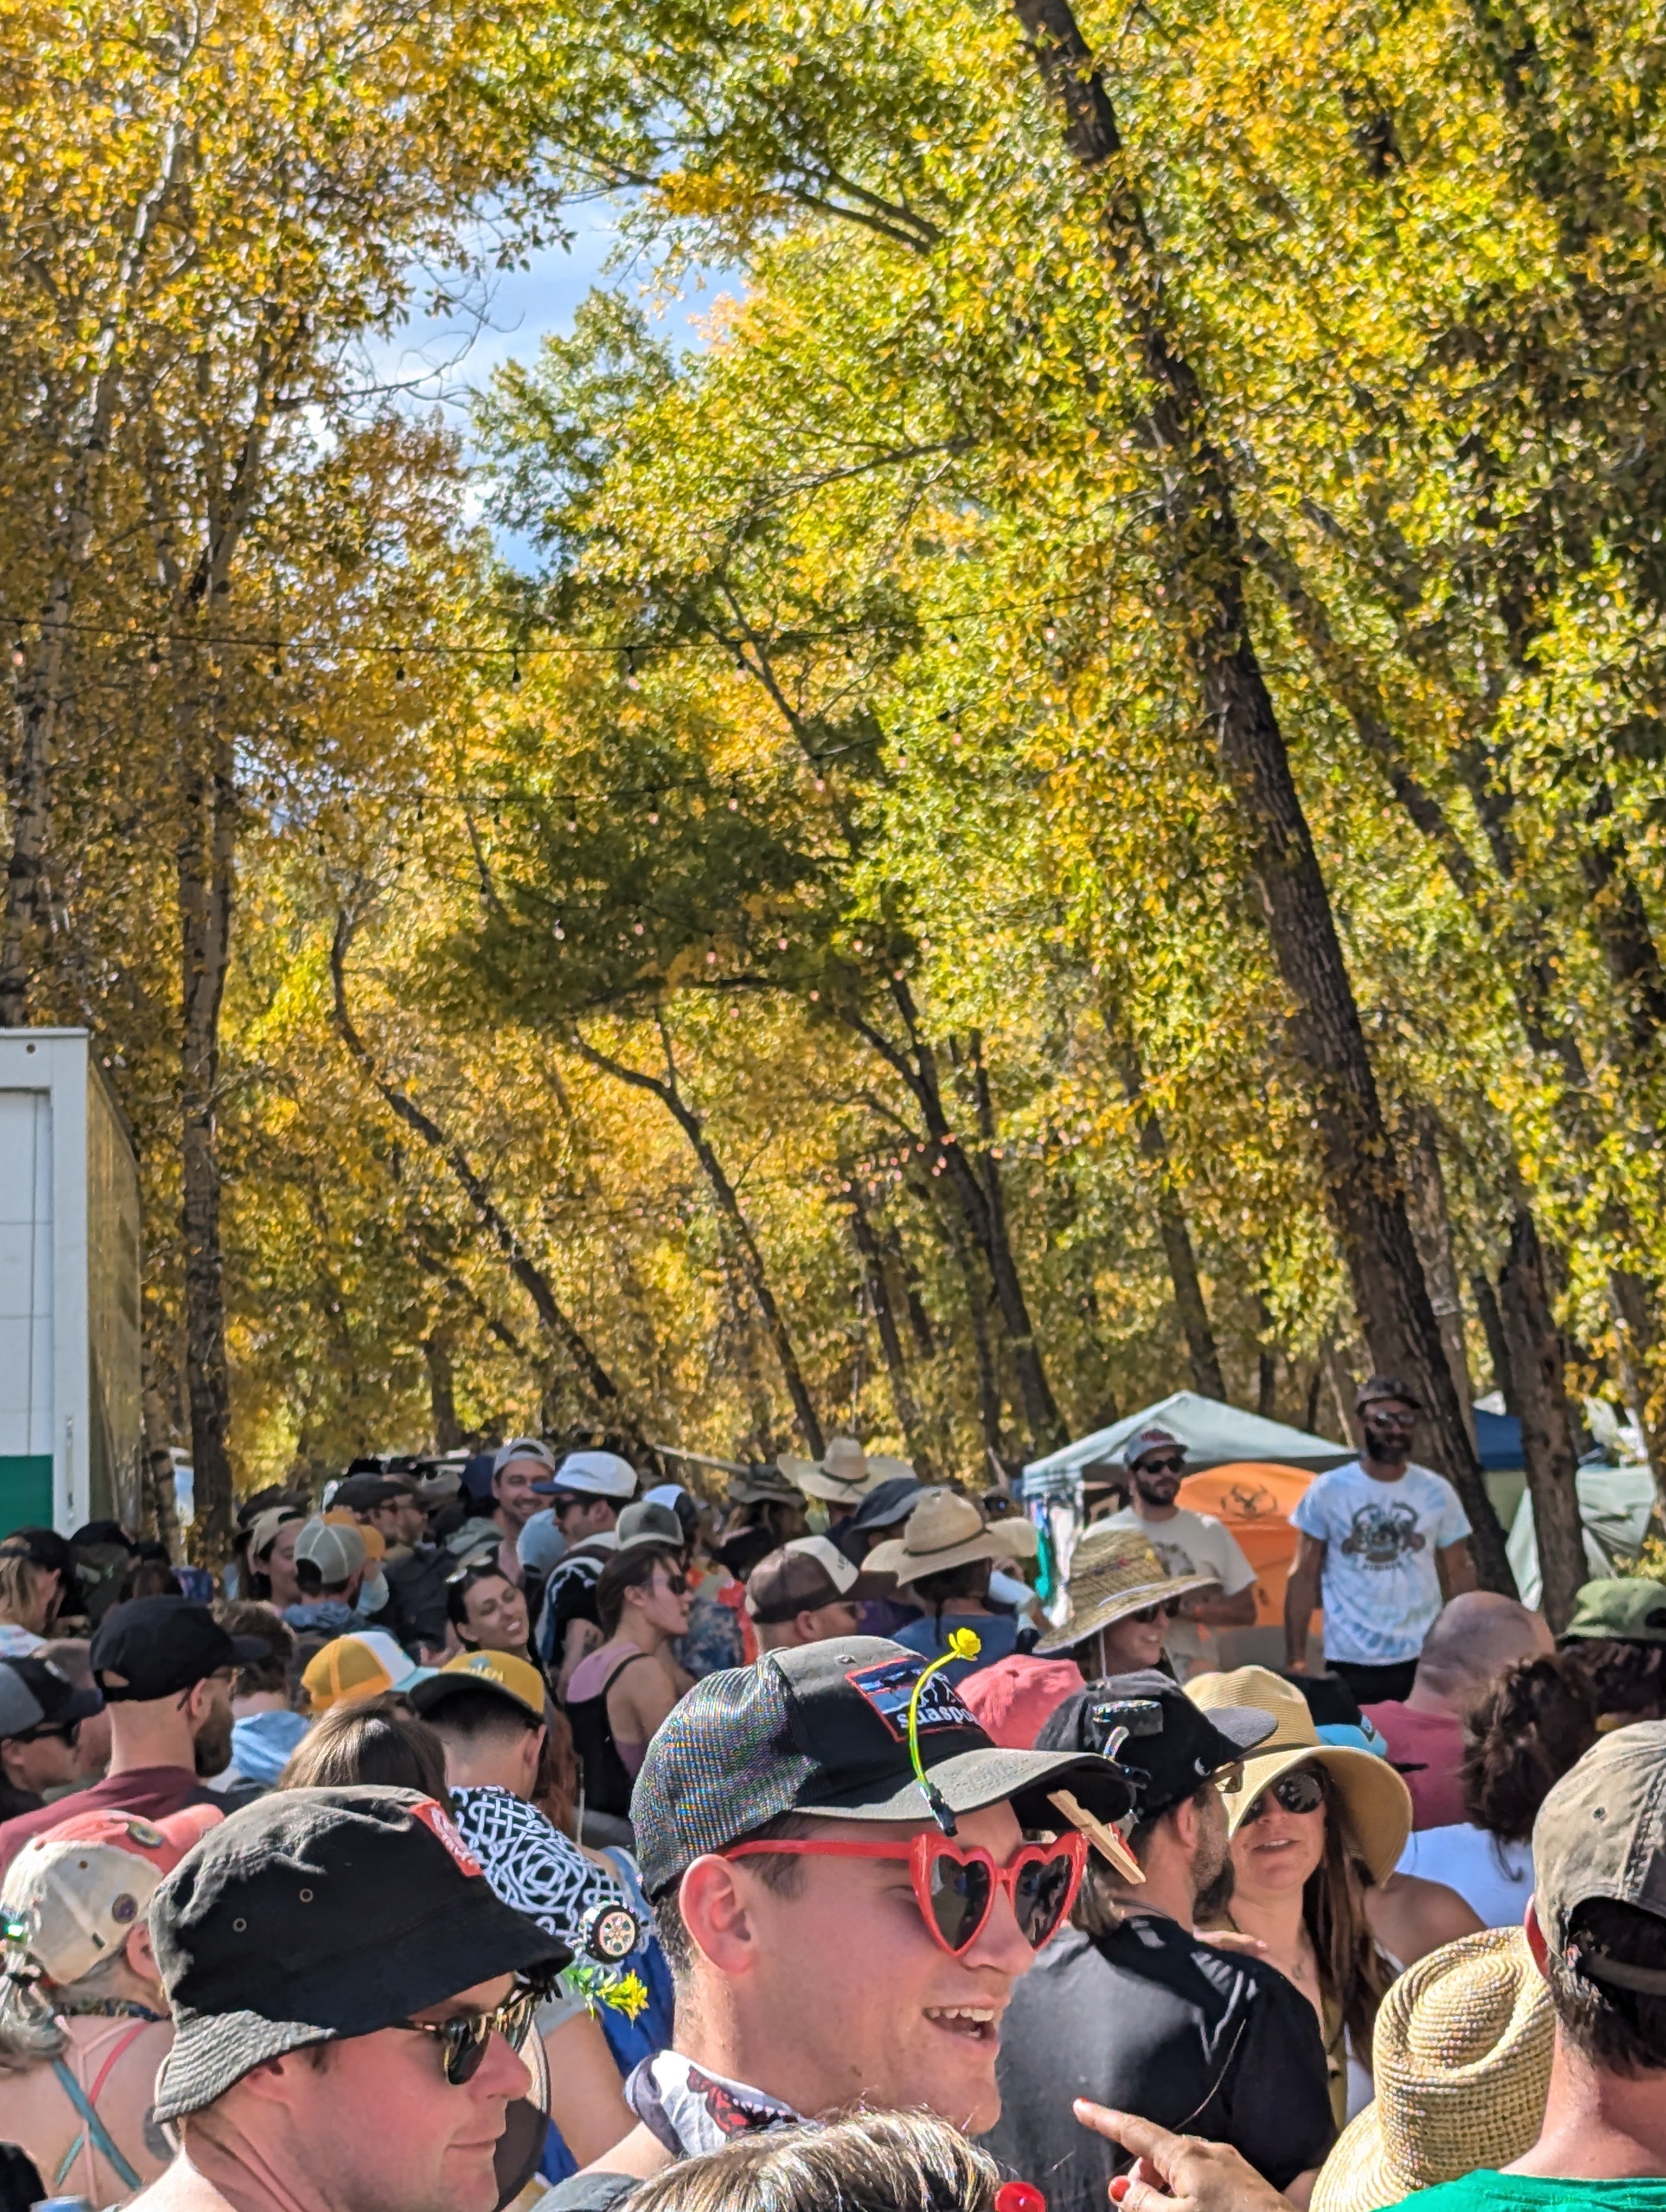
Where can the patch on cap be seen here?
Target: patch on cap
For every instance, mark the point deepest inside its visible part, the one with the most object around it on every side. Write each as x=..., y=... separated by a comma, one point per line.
x=888, y=1688
x=144, y=1831
x=440, y=1823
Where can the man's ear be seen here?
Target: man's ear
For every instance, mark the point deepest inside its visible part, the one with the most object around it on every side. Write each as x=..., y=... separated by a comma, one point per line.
x=1185, y=1821
x=715, y=1905
x=1536, y=1937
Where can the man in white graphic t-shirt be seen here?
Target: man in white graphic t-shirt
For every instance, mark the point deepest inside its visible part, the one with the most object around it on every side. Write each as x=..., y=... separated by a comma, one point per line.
x=1188, y=1543
x=1384, y=1543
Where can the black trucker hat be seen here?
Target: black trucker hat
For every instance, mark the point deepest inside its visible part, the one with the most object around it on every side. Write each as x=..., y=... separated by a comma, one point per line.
x=315, y=1914
x=823, y=1729
x=1168, y=1748
x=34, y=1695
x=160, y=1646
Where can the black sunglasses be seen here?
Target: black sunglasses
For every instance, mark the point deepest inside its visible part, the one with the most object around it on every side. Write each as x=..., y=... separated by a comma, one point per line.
x=1301, y=1790
x=1172, y=1465
x=1147, y=1613
x=464, y=2041
x=65, y=1731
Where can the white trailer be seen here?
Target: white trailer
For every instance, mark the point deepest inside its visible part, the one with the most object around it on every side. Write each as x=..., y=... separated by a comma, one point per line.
x=72, y=1430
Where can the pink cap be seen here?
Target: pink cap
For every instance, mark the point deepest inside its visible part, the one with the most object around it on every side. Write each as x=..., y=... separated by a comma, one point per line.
x=1013, y=1698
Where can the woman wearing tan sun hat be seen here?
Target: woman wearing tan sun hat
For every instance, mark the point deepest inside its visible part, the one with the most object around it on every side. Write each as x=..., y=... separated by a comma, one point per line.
x=942, y=1560
x=1121, y=1601
x=1316, y=1829
x=1461, y=2056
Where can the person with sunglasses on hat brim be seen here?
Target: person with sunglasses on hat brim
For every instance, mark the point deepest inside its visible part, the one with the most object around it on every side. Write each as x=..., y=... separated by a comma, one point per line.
x=620, y=1693
x=831, y=1943
x=1383, y=1545
x=1188, y=1543
x=1131, y=2008
x=350, y=2000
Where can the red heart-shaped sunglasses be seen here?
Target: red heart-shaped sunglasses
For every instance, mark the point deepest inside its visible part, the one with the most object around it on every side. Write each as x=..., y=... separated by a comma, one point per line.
x=955, y=1885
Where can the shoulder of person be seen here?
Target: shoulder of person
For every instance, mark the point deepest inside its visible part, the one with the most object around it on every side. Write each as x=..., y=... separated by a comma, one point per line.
x=588, y=2192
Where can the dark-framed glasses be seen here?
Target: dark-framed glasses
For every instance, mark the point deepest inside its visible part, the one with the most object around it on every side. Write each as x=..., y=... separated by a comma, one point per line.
x=1301, y=1790
x=464, y=2041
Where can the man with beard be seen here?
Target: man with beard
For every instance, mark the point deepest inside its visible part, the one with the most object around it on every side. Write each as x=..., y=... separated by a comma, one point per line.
x=165, y=1667
x=1384, y=1543
x=1188, y=1543
x=1128, y=2007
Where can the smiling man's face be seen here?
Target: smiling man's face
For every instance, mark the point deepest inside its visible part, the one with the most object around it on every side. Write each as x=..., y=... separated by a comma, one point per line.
x=872, y=2006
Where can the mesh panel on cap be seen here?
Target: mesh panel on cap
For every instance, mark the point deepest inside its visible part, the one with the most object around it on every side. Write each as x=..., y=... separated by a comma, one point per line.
x=343, y=1669
x=719, y=1767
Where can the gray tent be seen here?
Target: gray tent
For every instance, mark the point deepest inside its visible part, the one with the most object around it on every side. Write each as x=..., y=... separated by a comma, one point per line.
x=1214, y=1435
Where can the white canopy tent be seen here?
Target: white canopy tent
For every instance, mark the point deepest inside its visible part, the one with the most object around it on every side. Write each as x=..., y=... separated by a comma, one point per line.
x=1214, y=1435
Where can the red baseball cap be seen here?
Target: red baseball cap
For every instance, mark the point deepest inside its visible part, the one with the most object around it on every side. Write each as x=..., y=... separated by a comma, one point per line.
x=1014, y=1697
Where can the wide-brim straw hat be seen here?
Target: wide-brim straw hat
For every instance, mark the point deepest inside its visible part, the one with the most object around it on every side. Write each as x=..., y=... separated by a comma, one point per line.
x=1375, y=1803
x=844, y=1474
x=1461, y=2059
x=1115, y=1573
x=946, y=1530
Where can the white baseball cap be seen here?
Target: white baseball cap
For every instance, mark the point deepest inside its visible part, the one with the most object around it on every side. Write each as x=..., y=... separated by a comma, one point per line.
x=595, y=1474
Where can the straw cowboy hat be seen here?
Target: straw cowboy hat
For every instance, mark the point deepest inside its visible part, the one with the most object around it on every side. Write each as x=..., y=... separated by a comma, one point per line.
x=1375, y=1803
x=1461, y=2058
x=1113, y=1573
x=946, y=1530
x=844, y=1474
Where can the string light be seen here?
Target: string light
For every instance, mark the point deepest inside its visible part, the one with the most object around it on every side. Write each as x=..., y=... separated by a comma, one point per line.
x=19, y=654
x=633, y=681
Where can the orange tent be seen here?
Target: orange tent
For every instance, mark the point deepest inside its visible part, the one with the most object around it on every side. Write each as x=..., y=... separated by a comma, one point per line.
x=1255, y=1498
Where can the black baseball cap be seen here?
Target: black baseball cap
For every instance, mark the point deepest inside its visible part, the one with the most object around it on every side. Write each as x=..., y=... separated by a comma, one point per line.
x=315, y=1914
x=45, y=1547
x=1171, y=1748
x=358, y=1493
x=34, y=1695
x=1381, y=1387
x=160, y=1646
x=822, y=1728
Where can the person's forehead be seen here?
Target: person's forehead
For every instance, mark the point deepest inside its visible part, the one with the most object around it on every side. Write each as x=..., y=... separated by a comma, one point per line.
x=528, y=1466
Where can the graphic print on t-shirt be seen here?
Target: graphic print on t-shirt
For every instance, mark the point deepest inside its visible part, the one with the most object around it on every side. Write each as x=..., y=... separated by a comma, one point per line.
x=1380, y=1536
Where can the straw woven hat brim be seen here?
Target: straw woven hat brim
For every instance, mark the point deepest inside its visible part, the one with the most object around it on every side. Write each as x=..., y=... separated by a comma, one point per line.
x=1461, y=2058
x=1375, y=1802
x=1001, y=1540
x=1106, y=1612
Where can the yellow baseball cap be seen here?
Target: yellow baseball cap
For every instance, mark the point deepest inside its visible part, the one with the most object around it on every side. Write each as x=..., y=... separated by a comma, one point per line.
x=501, y=1671
x=366, y=1663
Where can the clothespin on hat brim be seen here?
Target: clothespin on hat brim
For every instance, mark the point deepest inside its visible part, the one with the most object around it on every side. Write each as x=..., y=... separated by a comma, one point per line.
x=1104, y=1838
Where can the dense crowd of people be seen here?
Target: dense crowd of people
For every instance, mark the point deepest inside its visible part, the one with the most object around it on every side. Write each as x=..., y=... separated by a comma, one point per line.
x=509, y=1831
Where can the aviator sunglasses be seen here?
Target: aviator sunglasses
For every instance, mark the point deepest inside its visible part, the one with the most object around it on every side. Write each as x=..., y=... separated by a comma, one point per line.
x=1301, y=1790
x=955, y=1885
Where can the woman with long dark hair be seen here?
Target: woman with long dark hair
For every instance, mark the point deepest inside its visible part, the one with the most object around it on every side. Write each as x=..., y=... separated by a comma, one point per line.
x=620, y=1693
x=1315, y=1830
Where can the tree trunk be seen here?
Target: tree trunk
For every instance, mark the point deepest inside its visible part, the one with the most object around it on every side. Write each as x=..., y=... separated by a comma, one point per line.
x=441, y=1391
x=1205, y=560
x=1547, y=1449
x=974, y=1179
x=558, y=1325
x=906, y=1407
x=206, y=853
x=1498, y=1343
x=729, y=1205
x=1202, y=1352
x=1431, y=1227
x=1267, y=1362
x=1040, y=1412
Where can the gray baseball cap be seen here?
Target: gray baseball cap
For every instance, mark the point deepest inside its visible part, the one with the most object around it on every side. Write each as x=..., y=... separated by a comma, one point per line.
x=822, y=1728
x=1602, y=1833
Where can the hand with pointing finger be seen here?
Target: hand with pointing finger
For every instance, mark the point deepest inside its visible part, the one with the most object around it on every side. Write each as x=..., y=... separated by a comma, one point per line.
x=1182, y=2172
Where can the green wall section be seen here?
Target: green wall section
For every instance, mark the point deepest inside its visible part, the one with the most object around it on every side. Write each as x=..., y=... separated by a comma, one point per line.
x=26, y=1492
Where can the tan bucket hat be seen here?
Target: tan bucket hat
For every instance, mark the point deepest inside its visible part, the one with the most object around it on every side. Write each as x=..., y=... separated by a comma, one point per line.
x=946, y=1530
x=1115, y=1573
x=844, y=1474
x=1375, y=1802
x=1461, y=2058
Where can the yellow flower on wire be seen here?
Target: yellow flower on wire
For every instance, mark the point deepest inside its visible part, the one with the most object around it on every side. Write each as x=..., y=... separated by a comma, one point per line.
x=964, y=1643
x=628, y=1995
